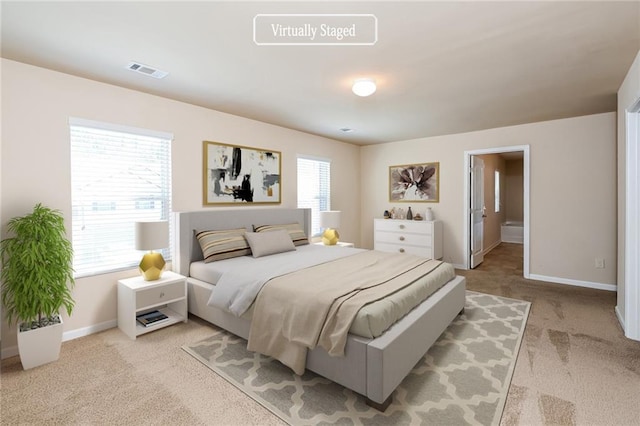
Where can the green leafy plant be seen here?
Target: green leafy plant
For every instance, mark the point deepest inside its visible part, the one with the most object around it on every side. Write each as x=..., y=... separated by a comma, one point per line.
x=37, y=268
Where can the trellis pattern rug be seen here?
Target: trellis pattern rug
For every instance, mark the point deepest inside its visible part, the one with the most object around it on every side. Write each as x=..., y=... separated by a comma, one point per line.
x=463, y=379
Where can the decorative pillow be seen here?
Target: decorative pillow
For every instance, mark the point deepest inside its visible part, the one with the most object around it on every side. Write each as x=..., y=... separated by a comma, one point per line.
x=295, y=231
x=224, y=244
x=266, y=243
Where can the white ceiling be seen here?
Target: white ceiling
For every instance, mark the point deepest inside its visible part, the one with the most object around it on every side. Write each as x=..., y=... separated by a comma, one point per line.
x=441, y=67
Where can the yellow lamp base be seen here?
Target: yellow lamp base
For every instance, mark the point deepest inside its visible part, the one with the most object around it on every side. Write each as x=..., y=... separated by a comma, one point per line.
x=151, y=266
x=330, y=237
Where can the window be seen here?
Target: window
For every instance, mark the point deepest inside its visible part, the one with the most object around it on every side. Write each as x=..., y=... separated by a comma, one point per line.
x=314, y=188
x=497, y=191
x=119, y=175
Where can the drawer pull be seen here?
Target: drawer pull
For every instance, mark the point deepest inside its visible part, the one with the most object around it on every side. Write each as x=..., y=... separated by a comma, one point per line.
x=401, y=226
x=401, y=250
x=401, y=238
x=161, y=294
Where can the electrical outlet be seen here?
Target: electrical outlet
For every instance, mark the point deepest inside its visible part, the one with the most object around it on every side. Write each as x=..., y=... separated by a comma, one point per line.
x=599, y=263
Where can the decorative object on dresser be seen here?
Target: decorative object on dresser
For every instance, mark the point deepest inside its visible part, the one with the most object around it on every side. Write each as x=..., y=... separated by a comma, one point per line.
x=152, y=235
x=422, y=238
x=414, y=182
x=428, y=214
x=330, y=221
x=137, y=298
x=235, y=174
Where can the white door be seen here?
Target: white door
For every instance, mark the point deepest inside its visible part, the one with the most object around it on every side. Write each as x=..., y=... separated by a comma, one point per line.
x=476, y=215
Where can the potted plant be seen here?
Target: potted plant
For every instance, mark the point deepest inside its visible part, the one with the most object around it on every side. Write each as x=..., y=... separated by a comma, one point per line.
x=37, y=277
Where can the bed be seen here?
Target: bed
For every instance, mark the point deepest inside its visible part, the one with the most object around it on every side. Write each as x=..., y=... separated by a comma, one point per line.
x=372, y=367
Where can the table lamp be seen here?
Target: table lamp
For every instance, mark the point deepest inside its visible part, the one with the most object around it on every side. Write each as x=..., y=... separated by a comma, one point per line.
x=152, y=235
x=330, y=220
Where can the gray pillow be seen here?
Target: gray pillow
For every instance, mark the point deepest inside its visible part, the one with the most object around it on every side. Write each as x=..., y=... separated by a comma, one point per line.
x=223, y=244
x=294, y=229
x=266, y=243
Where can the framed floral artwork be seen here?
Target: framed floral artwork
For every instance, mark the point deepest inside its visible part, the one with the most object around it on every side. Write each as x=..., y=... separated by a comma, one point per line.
x=415, y=183
x=235, y=174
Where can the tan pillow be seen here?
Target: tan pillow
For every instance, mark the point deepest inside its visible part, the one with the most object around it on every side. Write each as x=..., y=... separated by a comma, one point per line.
x=266, y=243
x=223, y=244
x=294, y=229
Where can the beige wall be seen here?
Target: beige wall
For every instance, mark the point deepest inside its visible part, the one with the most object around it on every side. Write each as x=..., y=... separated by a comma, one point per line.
x=493, y=220
x=573, y=207
x=514, y=182
x=36, y=158
x=573, y=217
x=628, y=94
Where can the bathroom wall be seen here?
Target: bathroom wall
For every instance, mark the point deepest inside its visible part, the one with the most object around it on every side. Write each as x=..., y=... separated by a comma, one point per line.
x=514, y=196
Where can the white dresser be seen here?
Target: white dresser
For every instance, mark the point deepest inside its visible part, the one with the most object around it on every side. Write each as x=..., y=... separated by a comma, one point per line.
x=422, y=238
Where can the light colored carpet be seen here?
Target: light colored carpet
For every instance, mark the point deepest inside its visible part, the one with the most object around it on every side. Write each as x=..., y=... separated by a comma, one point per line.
x=575, y=367
x=463, y=379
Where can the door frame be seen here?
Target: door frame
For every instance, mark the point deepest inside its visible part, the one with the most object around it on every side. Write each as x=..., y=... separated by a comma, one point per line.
x=631, y=323
x=525, y=195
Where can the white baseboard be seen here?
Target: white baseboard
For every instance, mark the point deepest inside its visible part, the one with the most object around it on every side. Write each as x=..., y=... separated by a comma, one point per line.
x=67, y=335
x=488, y=249
x=92, y=329
x=513, y=240
x=9, y=352
x=578, y=283
x=620, y=318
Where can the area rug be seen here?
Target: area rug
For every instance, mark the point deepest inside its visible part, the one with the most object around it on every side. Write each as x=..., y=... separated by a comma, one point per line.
x=463, y=379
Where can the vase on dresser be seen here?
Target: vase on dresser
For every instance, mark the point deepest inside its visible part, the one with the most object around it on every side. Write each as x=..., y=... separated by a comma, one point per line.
x=428, y=215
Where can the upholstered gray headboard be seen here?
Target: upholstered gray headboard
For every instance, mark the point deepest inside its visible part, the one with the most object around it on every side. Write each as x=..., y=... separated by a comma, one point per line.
x=186, y=248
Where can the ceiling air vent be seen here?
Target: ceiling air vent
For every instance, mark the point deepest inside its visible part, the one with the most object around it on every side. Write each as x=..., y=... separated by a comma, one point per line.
x=146, y=70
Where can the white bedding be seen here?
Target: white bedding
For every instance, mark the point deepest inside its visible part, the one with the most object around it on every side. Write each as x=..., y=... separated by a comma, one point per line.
x=241, y=278
x=372, y=320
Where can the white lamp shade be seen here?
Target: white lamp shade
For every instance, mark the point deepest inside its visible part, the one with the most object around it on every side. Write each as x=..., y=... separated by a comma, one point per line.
x=330, y=219
x=152, y=235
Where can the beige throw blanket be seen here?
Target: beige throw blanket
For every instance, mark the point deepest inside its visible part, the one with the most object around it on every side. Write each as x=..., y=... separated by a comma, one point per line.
x=316, y=306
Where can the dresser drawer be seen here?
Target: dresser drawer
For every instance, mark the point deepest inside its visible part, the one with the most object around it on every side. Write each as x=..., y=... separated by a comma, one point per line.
x=157, y=295
x=392, y=225
x=404, y=238
x=402, y=248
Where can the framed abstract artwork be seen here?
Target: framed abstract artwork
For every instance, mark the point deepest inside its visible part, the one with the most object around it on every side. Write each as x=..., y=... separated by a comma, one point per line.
x=415, y=183
x=234, y=174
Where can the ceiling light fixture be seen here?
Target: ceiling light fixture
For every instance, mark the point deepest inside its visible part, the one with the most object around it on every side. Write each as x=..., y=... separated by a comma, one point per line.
x=364, y=86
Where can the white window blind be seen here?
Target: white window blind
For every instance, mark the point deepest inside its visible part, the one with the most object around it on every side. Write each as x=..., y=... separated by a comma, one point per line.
x=314, y=188
x=118, y=176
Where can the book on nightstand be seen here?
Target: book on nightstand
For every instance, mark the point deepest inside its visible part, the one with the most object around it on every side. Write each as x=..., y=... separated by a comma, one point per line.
x=151, y=318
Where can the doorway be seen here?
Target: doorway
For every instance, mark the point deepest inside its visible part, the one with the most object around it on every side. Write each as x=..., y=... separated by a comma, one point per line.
x=471, y=198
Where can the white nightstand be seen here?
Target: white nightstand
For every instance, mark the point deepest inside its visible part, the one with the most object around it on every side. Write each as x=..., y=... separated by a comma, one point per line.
x=137, y=296
x=339, y=243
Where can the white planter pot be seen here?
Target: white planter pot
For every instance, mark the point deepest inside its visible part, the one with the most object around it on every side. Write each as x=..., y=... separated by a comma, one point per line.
x=40, y=346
